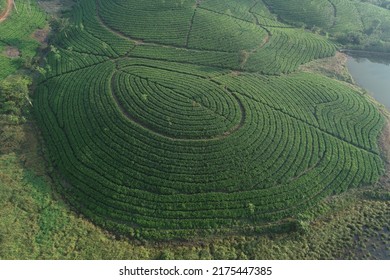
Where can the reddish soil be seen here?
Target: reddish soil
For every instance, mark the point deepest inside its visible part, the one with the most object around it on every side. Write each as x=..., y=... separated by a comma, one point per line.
x=7, y=11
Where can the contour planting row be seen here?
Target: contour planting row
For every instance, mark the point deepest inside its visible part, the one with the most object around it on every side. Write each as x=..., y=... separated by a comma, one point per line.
x=87, y=34
x=166, y=22
x=124, y=174
x=64, y=61
x=214, y=31
x=270, y=22
x=77, y=39
x=230, y=7
x=320, y=13
x=94, y=26
x=206, y=58
x=214, y=37
x=175, y=159
x=286, y=50
x=317, y=101
x=189, y=107
x=348, y=17
x=167, y=148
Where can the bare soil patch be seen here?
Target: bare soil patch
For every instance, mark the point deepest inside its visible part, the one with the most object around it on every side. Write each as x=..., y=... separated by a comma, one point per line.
x=12, y=52
x=41, y=36
x=4, y=15
x=334, y=67
x=55, y=7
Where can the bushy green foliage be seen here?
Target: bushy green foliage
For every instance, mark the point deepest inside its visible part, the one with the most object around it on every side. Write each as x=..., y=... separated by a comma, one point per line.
x=3, y=4
x=14, y=95
x=16, y=32
x=159, y=135
x=356, y=24
x=35, y=225
x=14, y=104
x=307, y=12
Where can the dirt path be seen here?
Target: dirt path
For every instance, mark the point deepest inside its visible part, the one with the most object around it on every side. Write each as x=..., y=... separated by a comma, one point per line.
x=7, y=11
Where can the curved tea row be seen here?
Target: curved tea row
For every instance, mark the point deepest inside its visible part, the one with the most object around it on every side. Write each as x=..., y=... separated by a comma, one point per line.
x=166, y=147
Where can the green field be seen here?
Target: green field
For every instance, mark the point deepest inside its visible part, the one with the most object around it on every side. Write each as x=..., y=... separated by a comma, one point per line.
x=3, y=4
x=173, y=118
x=356, y=24
x=16, y=34
x=35, y=224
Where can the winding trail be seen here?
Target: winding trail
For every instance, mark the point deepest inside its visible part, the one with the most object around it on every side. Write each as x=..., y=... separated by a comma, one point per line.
x=4, y=15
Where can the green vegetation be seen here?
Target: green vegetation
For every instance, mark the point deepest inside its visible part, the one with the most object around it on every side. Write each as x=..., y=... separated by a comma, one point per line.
x=17, y=45
x=14, y=97
x=171, y=119
x=14, y=105
x=3, y=4
x=312, y=13
x=36, y=225
x=356, y=24
x=191, y=122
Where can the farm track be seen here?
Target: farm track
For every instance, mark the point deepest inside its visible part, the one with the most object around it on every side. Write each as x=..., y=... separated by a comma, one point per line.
x=265, y=41
x=4, y=15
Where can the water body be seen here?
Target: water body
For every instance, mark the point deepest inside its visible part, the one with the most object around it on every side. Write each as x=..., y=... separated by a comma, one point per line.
x=372, y=72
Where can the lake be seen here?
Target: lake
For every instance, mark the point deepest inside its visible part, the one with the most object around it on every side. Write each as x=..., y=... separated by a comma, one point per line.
x=372, y=72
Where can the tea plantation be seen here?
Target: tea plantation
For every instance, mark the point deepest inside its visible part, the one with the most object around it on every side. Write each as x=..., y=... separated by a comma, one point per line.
x=169, y=119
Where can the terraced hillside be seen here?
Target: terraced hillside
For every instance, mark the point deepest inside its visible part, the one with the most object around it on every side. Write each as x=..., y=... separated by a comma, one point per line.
x=169, y=118
x=356, y=23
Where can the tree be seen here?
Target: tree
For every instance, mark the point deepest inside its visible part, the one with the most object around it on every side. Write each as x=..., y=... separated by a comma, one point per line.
x=352, y=37
x=14, y=95
x=251, y=208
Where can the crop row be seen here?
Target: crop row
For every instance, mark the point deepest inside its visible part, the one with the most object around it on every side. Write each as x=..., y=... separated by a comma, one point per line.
x=348, y=17
x=318, y=13
x=233, y=34
x=63, y=61
x=207, y=58
x=163, y=22
x=230, y=7
x=124, y=173
x=287, y=49
x=316, y=101
x=181, y=111
x=151, y=129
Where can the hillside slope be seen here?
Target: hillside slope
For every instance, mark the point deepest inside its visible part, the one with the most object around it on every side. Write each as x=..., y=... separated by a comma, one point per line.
x=172, y=118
